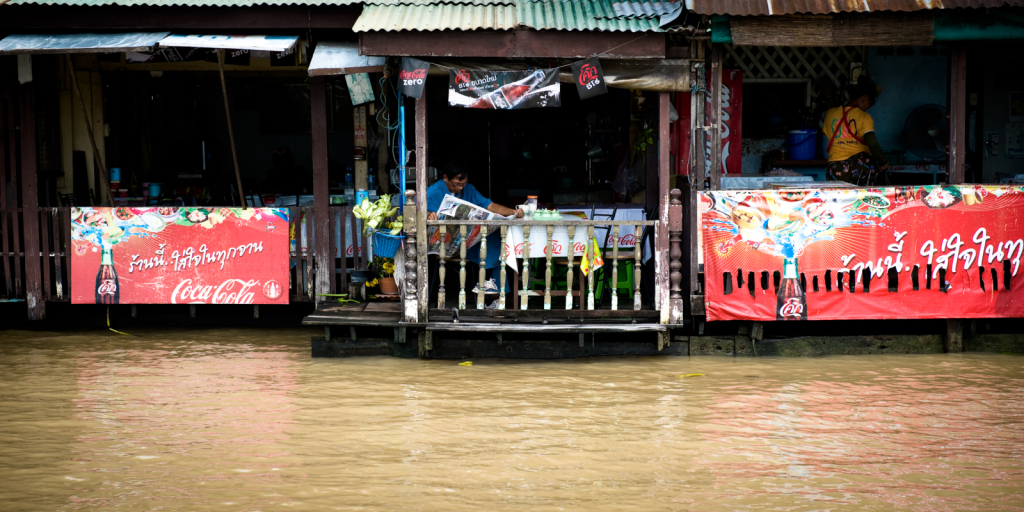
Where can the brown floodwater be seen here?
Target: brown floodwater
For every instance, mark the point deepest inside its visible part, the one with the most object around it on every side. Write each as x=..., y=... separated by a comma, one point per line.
x=246, y=420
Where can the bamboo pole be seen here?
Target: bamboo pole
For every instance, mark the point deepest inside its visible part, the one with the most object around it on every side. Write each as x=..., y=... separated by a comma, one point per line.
x=231, y=132
x=101, y=170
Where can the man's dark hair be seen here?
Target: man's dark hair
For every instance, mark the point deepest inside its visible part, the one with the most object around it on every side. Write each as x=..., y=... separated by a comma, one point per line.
x=455, y=169
x=865, y=86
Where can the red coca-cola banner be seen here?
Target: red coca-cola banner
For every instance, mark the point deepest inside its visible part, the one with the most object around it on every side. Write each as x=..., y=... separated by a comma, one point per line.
x=887, y=253
x=172, y=255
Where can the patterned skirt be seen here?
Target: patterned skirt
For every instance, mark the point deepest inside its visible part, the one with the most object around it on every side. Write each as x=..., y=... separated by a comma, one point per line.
x=859, y=169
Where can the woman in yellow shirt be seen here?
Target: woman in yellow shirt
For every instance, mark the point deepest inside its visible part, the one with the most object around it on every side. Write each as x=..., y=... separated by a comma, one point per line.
x=854, y=154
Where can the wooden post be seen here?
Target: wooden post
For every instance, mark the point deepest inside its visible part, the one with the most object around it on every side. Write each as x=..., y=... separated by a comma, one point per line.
x=591, y=242
x=322, y=255
x=524, y=300
x=957, y=112
x=661, y=245
x=675, y=227
x=482, y=271
x=954, y=338
x=637, y=272
x=548, y=242
x=231, y=131
x=9, y=290
x=615, y=266
x=442, y=272
x=571, y=253
x=30, y=203
x=360, y=168
x=715, y=117
x=422, y=161
x=462, y=267
x=502, y=256
x=411, y=305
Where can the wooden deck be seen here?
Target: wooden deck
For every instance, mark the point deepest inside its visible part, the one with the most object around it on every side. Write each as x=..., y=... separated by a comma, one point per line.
x=382, y=314
x=389, y=314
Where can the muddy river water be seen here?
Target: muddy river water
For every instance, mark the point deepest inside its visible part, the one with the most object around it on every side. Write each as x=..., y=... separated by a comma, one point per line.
x=245, y=420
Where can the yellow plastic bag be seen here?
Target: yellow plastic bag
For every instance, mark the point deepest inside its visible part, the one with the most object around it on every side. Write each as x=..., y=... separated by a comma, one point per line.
x=591, y=258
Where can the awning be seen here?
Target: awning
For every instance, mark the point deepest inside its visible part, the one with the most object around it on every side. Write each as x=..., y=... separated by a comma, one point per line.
x=81, y=43
x=226, y=42
x=342, y=59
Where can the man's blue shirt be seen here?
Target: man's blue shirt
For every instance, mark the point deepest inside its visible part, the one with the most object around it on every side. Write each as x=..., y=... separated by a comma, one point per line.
x=437, y=191
x=435, y=195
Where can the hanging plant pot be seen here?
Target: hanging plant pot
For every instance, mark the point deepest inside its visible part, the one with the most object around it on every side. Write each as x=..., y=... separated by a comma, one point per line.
x=388, y=286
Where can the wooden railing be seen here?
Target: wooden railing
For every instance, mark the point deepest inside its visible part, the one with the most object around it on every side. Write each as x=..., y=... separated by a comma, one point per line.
x=23, y=280
x=666, y=235
x=547, y=228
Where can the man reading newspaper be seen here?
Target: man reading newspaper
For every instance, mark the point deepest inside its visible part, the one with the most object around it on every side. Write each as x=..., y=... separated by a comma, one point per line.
x=455, y=183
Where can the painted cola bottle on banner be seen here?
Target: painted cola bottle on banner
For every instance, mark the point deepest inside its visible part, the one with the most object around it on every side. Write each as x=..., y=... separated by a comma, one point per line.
x=509, y=95
x=792, y=302
x=108, y=290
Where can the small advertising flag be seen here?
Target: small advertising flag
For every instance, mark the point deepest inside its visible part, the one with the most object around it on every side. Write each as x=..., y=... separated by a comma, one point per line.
x=589, y=78
x=412, y=77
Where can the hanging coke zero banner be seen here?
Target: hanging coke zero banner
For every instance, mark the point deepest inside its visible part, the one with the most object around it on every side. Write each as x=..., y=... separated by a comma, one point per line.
x=503, y=90
x=589, y=78
x=171, y=255
x=847, y=254
x=412, y=77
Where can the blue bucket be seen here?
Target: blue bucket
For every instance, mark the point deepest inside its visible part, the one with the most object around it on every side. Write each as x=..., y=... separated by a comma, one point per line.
x=800, y=144
x=115, y=174
x=385, y=245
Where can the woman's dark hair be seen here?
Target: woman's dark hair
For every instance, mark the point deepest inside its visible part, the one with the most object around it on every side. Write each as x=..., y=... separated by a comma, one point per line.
x=455, y=169
x=865, y=86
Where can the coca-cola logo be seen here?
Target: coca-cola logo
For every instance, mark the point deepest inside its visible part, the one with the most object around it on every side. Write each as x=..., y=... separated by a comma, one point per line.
x=272, y=290
x=107, y=287
x=462, y=76
x=587, y=73
x=231, y=291
x=792, y=308
x=416, y=74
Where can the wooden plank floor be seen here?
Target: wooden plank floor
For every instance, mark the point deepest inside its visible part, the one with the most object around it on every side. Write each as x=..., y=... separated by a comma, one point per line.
x=371, y=313
x=386, y=314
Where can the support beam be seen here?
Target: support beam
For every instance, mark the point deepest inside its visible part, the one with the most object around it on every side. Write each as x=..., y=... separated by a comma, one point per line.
x=422, y=160
x=957, y=114
x=323, y=257
x=30, y=203
x=715, y=117
x=512, y=43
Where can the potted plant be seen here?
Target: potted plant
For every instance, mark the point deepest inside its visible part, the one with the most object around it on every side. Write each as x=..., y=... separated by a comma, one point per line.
x=387, y=237
x=384, y=272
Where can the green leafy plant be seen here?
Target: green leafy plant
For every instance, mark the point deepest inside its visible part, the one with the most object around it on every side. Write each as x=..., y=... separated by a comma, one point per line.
x=377, y=213
x=646, y=138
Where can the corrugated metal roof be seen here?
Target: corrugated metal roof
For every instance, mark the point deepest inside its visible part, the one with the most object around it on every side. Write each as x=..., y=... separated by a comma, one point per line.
x=776, y=7
x=438, y=2
x=643, y=9
x=183, y=3
x=395, y=18
x=579, y=15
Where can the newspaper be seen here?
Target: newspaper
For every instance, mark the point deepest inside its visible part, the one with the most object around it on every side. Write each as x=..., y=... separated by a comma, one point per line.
x=453, y=208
